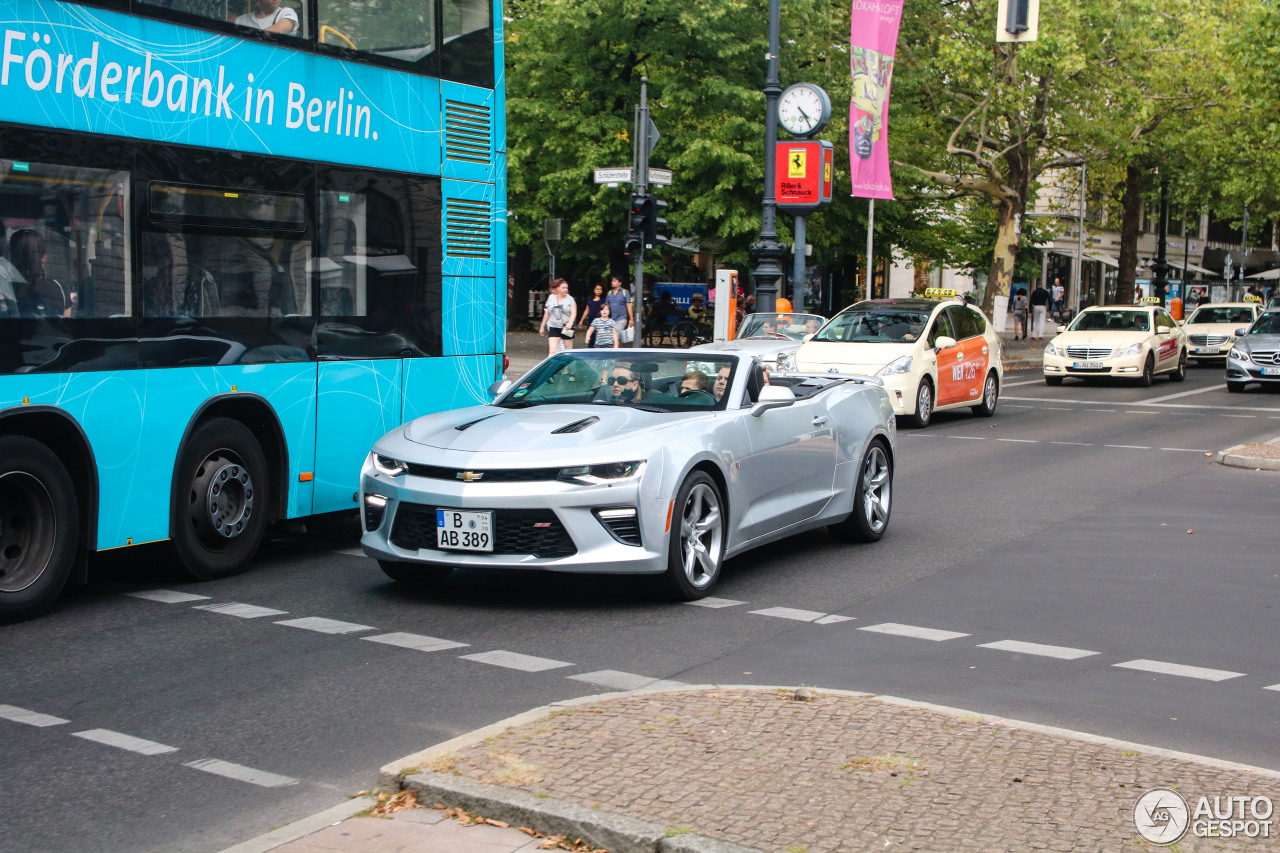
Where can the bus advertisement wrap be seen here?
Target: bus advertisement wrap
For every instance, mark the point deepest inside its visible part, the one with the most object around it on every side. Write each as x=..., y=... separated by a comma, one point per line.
x=77, y=68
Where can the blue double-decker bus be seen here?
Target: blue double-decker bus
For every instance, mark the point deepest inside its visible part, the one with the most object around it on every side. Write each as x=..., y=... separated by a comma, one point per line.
x=241, y=240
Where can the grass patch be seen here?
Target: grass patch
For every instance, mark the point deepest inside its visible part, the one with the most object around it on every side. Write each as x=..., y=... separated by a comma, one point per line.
x=875, y=763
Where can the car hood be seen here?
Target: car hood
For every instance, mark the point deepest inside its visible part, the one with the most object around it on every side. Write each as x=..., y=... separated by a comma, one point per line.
x=865, y=358
x=1213, y=328
x=1265, y=342
x=548, y=428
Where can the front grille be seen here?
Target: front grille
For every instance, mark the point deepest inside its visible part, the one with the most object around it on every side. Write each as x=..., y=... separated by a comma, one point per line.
x=1207, y=340
x=502, y=475
x=1265, y=356
x=536, y=532
x=1088, y=352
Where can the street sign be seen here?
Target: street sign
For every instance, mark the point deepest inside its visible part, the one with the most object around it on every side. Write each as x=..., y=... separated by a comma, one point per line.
x=661, y=177
x=803, y=174
x=613, y=176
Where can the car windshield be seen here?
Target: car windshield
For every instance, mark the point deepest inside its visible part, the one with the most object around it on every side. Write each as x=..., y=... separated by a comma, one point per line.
x=652, y=381
x=1121, y=320
x=888, y=324
x=793, y=326
x=1222, y=314
x=1267, y=324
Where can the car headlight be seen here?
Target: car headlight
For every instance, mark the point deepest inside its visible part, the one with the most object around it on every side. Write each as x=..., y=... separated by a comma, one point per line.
x=1136, y=349
x=387, y=465
x=1050, y=349
x=1238, y=354
x=594, y=475
x=786, y=361
x=898, y=365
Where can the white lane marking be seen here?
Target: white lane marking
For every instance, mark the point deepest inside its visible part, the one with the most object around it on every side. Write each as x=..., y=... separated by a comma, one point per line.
x=515, y=660
x=1179, y=669
x=325, y=626
x=1153, y=405
x=1020, y=440
x=1061, y=652
x=1131, y=412
x=1072, y=443
x=898, y=630
x=970, y=437
x=622, y=680
x=832, y=620
x=123, y=741
x=167, y=596
x=1128, y=446
x=1184, y=449
x=1023, y=382
x=30, y=718
x=1272, y=687
x=1059, y=409
x=417, y=642
x=1181, y=394
x=1109, y=411
x=1012, y=406
x=1239, y=416
x=715, y=603
x=789, y=613
x=244, y=611
x=240, y=773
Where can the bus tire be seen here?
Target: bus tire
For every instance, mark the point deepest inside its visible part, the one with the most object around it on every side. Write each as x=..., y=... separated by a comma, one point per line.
x=220, y=505
x=39, y=527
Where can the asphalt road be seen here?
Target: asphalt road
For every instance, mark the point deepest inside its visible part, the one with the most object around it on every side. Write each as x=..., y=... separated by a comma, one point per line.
x=1057, y=528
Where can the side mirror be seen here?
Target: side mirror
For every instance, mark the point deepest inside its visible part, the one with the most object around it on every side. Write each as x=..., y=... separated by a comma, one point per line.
x=1163, y=330
x=943, y=342
x=773, y=397
x=1182, y=322
x=1240, y=332
x=499, y=388
x=1061, y=328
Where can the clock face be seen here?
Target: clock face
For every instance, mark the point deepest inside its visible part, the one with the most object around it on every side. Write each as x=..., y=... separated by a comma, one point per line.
x=803, y=109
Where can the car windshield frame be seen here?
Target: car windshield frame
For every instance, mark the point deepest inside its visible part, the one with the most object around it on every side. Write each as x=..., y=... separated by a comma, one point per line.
x=863, y=325
x=752, y=326
x=584, y=378
x=1084, y=321
x=1244, y=315
x=1268, y=323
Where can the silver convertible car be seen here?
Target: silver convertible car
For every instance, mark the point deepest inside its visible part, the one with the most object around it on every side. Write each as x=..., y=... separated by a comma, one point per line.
x=659, y=462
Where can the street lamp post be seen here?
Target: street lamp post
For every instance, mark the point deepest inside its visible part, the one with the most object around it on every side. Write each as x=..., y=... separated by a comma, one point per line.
x=767, y=252
x=1160, y=268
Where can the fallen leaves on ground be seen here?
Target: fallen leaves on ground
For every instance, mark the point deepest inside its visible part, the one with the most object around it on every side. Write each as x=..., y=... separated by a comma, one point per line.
x=550, y=842
x=389, y=804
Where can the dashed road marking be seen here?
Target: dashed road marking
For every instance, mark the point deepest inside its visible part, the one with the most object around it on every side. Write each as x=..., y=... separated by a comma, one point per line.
x=1240, y=416
x=325, y=626
x=30, y=718
x=1020, y=440
x=1127, y=446
x=123, y=741
x=1023, y=382
x=1179, y=669
x=1141, y=413
x=241, y=773
x=244, y=611
x=898, y=630
x=417, y=642
x=1151, y=403
x=832, y=620
x=1059, y=409
x=1016, y=406
x=1108, y=411
x=623, y=680
x=1184, y=450
x=789, y=613
x=1072, y=443
x=1181, y=394
x=970, y=437
x=167, y=596
x=715, y=603
x=1272, y=687
x=515, y=660
x=1061, y=652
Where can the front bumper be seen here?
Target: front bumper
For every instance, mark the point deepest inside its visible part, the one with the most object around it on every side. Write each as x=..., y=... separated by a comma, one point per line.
x=1249, y=371
x=1127, y=365
x=542, y=525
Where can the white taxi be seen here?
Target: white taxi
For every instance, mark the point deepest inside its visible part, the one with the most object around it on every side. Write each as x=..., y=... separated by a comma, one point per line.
x=932, y=354
x=1211, y=329
x=1132, y=341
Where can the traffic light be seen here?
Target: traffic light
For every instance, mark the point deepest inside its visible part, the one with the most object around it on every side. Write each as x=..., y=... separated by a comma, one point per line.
x=636, y=224
x=655, y=222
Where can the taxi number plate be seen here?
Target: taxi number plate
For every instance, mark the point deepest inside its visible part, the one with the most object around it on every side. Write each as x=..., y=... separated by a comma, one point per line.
x=1271, y=371
x=1208, y=350
x=464, y=531
x=1087, y=365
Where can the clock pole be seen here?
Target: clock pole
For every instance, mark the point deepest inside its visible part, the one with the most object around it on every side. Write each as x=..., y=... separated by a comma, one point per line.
x=767, y=252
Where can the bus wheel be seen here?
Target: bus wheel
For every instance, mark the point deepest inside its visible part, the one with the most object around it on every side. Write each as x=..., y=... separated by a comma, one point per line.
x=39, y=527
x=220, y=506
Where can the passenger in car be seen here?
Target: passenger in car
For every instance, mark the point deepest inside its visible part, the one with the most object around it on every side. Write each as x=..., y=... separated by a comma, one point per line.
x=722, y=382
x=695, y=380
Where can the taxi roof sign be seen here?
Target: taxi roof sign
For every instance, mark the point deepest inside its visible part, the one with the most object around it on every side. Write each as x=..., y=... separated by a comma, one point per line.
x=1151, y=300
x=940, y=293
x=1249, y=297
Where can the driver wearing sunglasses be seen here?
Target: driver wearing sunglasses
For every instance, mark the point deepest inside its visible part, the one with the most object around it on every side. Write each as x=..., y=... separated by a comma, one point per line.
x=624, y=385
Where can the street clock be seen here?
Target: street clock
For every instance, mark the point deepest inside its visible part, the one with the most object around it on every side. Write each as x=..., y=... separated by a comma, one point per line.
x=804, y=109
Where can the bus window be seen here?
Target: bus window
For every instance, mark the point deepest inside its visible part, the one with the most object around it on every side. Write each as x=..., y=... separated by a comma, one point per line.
x=467, y=52
x=281, y=17
x=403, y=30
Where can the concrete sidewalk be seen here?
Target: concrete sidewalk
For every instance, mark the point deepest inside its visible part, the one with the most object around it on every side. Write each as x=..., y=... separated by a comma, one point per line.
x=748, y=768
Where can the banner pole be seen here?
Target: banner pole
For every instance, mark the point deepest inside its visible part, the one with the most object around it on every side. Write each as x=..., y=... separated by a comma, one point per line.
x=871, y=221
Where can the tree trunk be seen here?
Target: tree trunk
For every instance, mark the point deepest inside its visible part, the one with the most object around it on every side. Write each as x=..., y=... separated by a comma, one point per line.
x=1008, y=238
x=1130, y=222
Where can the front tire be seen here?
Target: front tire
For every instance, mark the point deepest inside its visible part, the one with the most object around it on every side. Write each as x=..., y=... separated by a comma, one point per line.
x=220, y=509
x=1235, y=387
x=872, y=501
x=695, y=550
x=1053, y=381
x=990, y=397
x=414, y=573
x=1148, y=372
x=1180, y=372
x=39, y=527
x=924, y=405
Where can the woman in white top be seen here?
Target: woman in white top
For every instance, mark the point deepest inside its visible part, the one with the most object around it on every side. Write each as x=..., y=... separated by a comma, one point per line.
x=557, y=319
x=269, y=15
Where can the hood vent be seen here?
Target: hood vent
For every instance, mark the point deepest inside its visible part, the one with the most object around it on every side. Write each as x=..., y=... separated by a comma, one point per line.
x=576, y=426
x=469, y=424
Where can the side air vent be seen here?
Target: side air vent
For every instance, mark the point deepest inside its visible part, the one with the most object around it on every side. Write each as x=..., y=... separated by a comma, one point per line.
x=576, y=426
x=467, y=135
x=467, y=229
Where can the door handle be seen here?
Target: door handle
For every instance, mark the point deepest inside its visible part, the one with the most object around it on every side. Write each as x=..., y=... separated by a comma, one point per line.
x=819, y=420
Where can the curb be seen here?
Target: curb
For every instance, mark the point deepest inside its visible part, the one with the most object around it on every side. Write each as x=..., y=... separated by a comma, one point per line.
x=1233, y=459
x=303, y=827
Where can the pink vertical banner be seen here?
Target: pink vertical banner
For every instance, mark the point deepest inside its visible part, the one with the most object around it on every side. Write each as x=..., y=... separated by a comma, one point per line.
x=873, y=40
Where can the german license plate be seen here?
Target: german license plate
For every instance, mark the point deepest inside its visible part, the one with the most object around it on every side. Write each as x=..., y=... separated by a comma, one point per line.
x=1207, y=350
x=457, y=530
x=1271, y=371
x=1087, y=365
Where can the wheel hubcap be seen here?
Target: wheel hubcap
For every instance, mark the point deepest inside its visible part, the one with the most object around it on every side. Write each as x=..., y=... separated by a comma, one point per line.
x=28, y=530
x=924, y=404
x=222, y=498
x=876, y=487
x=991, y=392
x=701, y=539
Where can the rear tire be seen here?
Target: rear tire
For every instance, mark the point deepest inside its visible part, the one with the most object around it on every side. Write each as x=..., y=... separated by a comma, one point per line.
x=924, y=405
x=990, y=397
x=39, y=527
x=220, y=505
x=1180, y=372
x=1148, y=372
x=695, y=547
x=1053, y=381
x=414, y=573
x=872, y=499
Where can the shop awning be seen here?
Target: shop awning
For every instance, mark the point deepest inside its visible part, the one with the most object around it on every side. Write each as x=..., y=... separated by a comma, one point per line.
x=1105, y=259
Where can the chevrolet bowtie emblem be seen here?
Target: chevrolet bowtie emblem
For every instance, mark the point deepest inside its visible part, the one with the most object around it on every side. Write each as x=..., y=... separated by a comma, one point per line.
x=470, y=476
